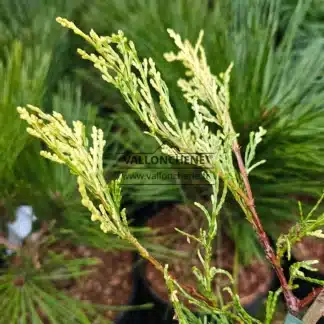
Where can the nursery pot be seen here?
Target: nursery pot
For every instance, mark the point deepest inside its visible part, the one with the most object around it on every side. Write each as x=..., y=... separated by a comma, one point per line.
x=151, y=280
x=131, y=316
x=111, y=282
x=161, y=312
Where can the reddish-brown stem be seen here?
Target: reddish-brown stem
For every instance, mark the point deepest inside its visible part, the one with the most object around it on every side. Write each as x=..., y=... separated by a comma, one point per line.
x=310, y=297
x=291, y=300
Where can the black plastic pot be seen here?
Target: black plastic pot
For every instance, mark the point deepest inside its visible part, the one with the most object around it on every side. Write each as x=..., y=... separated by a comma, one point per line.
x=162, y=312
x=159, y=313
x=133, y=316
x=141, y=215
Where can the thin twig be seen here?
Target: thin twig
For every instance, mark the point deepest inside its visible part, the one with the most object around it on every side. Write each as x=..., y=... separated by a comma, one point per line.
x=291, y=300
x=310, y=297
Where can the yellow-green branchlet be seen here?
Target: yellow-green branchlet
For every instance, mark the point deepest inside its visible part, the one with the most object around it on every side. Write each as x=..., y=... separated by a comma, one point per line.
x=140, y=83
